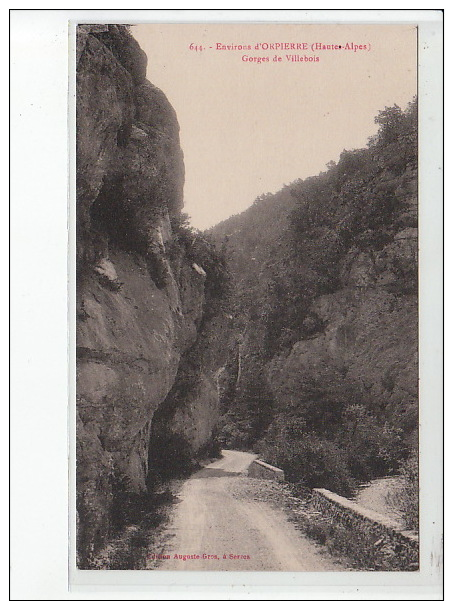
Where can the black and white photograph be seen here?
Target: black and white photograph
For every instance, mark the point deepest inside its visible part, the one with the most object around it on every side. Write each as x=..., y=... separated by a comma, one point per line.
x=248, y=390
x=247, y=307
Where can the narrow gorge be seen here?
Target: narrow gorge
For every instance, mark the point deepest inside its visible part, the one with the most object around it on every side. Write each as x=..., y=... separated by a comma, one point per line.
x=288, y=330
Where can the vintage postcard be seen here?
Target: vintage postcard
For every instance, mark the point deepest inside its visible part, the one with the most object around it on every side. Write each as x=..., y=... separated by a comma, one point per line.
x=246, y=208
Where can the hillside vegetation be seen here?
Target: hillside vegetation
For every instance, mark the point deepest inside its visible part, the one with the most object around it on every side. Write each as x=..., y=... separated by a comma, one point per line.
x=322, y=379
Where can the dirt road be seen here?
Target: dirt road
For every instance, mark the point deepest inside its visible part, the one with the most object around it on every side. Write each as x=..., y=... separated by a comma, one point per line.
x=215, y=526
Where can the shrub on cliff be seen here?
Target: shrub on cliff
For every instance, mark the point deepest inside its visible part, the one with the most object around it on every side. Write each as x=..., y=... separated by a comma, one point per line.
x=405, y=497
x=306, y=458
x=199, y=248
x=349, y=444
x=373, y=448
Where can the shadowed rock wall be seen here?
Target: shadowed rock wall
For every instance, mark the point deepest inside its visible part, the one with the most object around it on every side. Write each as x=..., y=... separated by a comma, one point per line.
x=140, y=300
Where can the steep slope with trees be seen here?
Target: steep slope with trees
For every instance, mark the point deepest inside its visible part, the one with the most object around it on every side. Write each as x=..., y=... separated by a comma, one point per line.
x=324, y=377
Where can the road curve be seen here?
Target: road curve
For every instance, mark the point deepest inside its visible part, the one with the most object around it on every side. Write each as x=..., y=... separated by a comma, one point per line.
x=213, y=528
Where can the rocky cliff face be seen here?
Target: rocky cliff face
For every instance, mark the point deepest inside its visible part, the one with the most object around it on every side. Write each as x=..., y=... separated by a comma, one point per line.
x=141, y=300
x=368, y=342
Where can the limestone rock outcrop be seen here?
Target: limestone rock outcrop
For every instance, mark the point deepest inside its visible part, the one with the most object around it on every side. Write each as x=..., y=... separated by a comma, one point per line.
x=140, y=300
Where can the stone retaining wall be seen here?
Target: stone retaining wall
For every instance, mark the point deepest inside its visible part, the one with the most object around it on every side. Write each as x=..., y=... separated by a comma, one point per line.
x=381, y=534
x=259, y=469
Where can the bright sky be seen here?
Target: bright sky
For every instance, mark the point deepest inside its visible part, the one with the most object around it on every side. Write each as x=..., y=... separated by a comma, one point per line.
x=248, y=128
